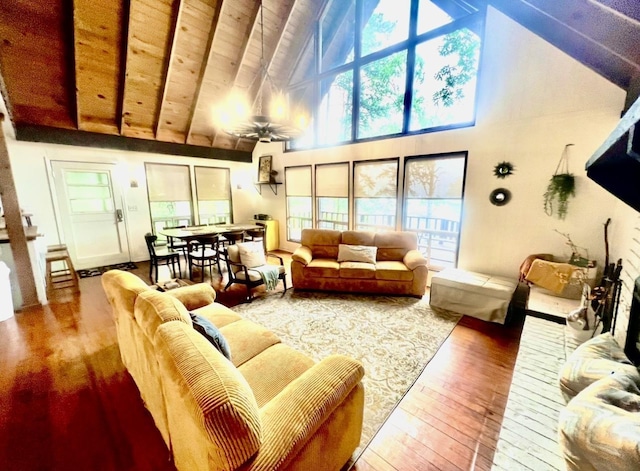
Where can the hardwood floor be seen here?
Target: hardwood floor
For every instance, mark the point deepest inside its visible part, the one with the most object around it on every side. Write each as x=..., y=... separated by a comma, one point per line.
x=67, y=403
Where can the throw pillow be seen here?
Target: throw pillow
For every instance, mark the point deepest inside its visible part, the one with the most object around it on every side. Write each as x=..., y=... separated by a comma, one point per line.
x=357, y=253
x=251, y=254
x=211, y=333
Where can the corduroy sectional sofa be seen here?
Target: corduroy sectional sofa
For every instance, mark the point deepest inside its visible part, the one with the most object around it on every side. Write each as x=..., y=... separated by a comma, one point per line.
x=397, y=267
x=268, y=408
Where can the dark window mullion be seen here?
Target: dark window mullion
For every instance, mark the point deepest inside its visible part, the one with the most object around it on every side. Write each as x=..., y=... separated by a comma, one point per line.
x=411, y=64
x=357, y=50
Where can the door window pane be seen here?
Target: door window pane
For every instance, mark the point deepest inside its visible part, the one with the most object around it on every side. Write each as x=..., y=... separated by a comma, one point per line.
x=89, y=192
x=386, y=22
x=336, y=106
x=382, y=85
x=444, y=87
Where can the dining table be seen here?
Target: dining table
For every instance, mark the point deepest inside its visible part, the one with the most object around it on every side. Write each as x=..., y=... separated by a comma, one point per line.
x=192, y=232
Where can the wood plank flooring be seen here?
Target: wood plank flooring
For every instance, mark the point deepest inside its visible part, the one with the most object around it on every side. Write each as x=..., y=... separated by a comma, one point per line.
x=67, y=403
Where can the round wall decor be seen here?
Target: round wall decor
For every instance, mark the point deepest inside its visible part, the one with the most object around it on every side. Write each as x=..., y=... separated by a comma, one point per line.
x=500, y=196
x=503, y=169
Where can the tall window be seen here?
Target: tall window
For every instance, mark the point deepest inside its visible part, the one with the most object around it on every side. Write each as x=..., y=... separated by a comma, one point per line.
x=375, y=185
x=213, y=189
x=433, y=191
x=332, y=196
x=169, y=188
x=388, y=67
x=299, y=201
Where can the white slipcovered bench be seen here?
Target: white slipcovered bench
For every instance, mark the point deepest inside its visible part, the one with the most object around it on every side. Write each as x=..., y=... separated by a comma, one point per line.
x=473, y=294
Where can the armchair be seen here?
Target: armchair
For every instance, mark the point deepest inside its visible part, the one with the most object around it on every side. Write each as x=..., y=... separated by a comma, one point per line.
x=255, y=270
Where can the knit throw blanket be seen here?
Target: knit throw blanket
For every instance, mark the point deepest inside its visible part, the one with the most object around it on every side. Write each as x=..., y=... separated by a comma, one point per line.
x=269, y=274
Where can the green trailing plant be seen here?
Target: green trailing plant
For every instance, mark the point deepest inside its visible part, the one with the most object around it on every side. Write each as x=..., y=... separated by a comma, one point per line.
x=561, y=186
x=556, y=198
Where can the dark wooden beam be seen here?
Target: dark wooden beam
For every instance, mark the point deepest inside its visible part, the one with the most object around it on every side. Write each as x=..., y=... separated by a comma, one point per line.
x=13, y=219
x=106, y=141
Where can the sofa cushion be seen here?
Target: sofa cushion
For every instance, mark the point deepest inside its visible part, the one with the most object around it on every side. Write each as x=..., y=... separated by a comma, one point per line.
x=251, y=254
x=323, y=268
x=273, y=369
x=358, y=270
x=393, y=245
x=205, y=393
x=322, y=242
x=393, y=271
x=247, y=339
x=357, y=253
x=600, y=428
x=211, y=333
x=217, y=314
x=358, y=237
x=153, y=308
x=595, y=359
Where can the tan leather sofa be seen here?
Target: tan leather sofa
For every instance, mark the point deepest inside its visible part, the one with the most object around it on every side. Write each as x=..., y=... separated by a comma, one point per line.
x=399, y=269
x=269, y=408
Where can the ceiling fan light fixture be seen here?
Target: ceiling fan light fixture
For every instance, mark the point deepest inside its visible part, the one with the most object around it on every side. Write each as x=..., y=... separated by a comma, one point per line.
x=279, y=125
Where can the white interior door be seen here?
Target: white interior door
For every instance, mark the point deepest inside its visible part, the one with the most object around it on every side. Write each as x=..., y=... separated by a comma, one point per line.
x=91, y=213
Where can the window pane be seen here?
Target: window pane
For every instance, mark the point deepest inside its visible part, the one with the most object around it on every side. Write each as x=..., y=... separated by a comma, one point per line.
x=382, y=85
x=298, y=216
x=214, y=212
x=386, y=25
x=431, y=16
x=333, y=213
x=336, y=107
x=337, y=33
x=434, y=177
x=304, y=105
x=169, y=214
x=375, y=214
x=89, y=192
x=444, y=86
x=433, y=206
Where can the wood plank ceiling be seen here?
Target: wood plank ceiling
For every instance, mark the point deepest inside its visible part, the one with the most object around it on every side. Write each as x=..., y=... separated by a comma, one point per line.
x=147, y=69
x=156, y=69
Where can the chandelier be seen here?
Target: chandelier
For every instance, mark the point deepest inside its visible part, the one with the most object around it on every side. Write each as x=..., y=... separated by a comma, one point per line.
x=279, y=123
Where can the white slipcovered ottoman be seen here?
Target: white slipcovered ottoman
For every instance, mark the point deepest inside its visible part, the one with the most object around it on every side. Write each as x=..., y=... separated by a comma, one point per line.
x=473, y=294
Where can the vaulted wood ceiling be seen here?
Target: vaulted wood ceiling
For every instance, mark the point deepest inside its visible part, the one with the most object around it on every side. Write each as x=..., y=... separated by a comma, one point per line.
x=156, y=69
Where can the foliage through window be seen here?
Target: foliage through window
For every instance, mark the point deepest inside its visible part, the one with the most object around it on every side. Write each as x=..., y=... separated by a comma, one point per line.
x=383, y=73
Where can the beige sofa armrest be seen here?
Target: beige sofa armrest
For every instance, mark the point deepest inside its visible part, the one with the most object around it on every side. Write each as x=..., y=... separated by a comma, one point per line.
x=414, y=259
x=194, y=296
x=291, y=418
x=302, y=254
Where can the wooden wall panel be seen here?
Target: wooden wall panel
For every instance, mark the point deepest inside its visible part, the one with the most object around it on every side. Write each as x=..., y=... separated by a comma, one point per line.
x=35, y=62
x=98, y=42
x=150, y=28
x=188, y=57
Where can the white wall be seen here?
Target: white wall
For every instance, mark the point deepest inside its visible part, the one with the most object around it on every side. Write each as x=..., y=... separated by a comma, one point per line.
x=31, y=171
x=533, y=100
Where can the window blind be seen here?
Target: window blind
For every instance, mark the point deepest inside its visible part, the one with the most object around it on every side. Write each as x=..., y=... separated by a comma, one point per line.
x=298, y=180
x=375, y=179
x=332, y=180
x=168, y=182
x=212, y=183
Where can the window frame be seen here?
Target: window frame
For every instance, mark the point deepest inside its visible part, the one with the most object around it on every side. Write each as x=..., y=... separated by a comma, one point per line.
x=474, y=21
x=197, y=196
x=286, y=197
x=438, y=156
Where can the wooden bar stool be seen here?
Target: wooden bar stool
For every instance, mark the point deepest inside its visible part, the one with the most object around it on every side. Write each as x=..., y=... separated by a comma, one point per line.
x=56, y=248
x=62, y=278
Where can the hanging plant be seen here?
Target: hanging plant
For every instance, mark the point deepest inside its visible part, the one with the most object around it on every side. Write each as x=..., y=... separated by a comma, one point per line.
x=561, y=186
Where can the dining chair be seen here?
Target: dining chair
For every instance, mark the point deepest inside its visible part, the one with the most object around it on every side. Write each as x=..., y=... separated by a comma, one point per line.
x=177, y=244
x=232, y=237
x=254, y=271
x=161, y=256
x=202, y=252
x=257, y=234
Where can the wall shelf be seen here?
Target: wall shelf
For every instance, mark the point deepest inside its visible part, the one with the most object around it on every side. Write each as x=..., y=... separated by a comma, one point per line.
x=272, y=185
